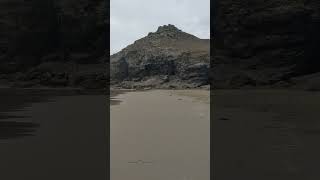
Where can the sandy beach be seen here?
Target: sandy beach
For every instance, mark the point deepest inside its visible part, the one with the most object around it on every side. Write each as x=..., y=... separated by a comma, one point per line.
x=160, y=134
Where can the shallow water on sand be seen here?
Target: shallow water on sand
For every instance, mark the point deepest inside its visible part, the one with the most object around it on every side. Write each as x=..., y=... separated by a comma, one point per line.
x=160, y=134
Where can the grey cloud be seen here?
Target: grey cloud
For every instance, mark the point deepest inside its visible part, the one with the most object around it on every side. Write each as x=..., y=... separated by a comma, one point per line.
x=134, y=19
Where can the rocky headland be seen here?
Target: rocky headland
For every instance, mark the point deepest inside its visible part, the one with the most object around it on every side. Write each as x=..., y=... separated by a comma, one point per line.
x=167, y=58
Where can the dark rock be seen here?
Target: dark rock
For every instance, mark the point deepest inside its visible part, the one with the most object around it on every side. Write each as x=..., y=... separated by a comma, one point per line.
x=119, y=70
x=308, y=82
x=48, y=40
x=264, y=42
x=52, y=58
x=81, y=58
x=198, y=72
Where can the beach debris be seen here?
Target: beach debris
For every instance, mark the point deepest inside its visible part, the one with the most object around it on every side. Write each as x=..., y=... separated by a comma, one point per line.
x=140, y=162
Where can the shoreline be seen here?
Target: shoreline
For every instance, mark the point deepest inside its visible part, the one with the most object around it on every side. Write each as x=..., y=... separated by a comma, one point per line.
x=197, y=95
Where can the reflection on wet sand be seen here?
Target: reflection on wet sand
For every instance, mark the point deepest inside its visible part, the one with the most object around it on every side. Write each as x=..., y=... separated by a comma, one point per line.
x=114, y=100
x=13, y=129
x=52, y=134
x=262, y=134
x=15, y=100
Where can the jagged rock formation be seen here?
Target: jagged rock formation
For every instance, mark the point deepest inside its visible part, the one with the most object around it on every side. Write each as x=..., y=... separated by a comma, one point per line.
x=263, y=43
x=166, y=58
x=52, y=34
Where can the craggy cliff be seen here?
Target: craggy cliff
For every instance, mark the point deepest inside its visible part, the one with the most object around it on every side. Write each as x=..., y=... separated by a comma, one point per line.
x=167, y=58
x=261, y=43
x=53, y=43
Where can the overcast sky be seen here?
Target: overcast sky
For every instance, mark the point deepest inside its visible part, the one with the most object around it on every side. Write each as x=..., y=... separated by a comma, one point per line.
x=133, y=19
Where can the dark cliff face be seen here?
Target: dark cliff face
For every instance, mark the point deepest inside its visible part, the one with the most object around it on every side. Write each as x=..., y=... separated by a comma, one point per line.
x=33, y=29
x=52, y=34
x=261, y=43
x=166, y=56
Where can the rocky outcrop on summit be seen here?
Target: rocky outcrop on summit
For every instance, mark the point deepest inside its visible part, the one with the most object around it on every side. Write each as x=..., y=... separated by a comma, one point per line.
x=265, y=43
x=166, y=58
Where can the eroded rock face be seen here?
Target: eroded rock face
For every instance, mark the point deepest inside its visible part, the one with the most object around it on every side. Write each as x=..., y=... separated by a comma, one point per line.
x=264, y=42
x=40, y=27
x=167, y=55
x=50, y=32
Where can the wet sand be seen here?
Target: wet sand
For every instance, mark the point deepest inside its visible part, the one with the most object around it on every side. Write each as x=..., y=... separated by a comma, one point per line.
x=64, y=143
x=266, y=134
x=160, y=134
x=257, y=134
